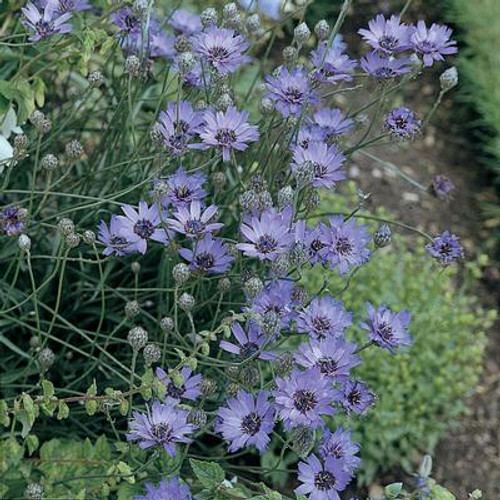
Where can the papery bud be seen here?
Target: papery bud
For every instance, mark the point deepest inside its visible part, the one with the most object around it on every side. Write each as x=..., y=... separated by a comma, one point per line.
x=132, y=309
x=208, y=387
x=229, y=10
x=312, y=200
x=253, y=287
x=281, y=265
x=182, y=44
x=185, y=62
x=95, y=79
x=266, y=106
x=382, y=236
x=265, y=200
x=88, y=237
x=197, y=417
x=24, y=242
x=249, y=200
x=300, y=294
x=135, y=267
x=249, y=376
x=209, y=17
x=151, y=353
x=253, y=23
x=224, y=101
x=301, y=33
x=49, y=162
x=133, y=66
x=302, y=439
x=284, y=364
x=35, y=342
x=155, y=134
x=21, y=144
x=224, y=284
x=66, y=226
x=186, y=302
x=181, y=273
x=304, y=173
x=290, y=55
x=74, y=149
x=72, y=240
x=219, y=180
x=46, y=358
x=270, y=322
x=137, y=337
x=235, y=22
x=449, y=79
x=233, y=388
x=167, y=324
x=322, y=30
x=40, y=122
x=285, y=197
x=34, y=491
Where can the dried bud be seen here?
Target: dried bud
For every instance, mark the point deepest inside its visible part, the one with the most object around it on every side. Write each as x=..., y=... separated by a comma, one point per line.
x=249, y=200
x=285, y=197
x=312, y=200
x=322, y=30
x=49, y=162
x=266, y=106
x=133, y=66
x=95, y=79
x=182, y=44
x=167, y=324
x=209, y=17
x=300, y=295
x=224, y=101
x=304, y=173
x=235, y=23
x=24, y=242
x=270, y=322
x=181, y=273
x=449, y=79
x=186, y=302
x=382, y=236
x=290, y=55
x=35, y=342
x=301, y=33
x=253, y=287
x=281, y=265
x=302, y=439
x=224, y=284
x=208, y=387
x=46, y=358
x=21, y=144
x=185, y=62
x=66, y=226
x=152, y=354
x=219, y=180
x=197, y=417
x=229, y=11
x=137, y=337
x=155, y=134
x=284, y=364
x=74, y=149
x=88, y=237
x=249, y=376
x=265, y=200
x=253, y=23
x=135, y=267
x=233, y=388
x=132, y=309
x=34, y=491
x=72, y=240
x=41, y=122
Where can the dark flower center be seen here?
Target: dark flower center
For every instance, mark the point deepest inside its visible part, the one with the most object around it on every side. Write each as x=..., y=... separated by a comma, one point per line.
x=446, y=250
x=385, y=73
x=426, y=46
x=117, y=241
x=266, y=244
x=293, y=95
x=343, y=245
x=205, y=260
x=384, y=330
x=182, y=127
x=321, y=325
x=354, y=397
x=144, y=228
x=248, y=350
x=250, y=424
x=328, y=366
x=174, y=391
x=334, y=450
x=401, y=122
x=319, y=170
x=218, y=53
x=324, y=480
x=182, y=192
x=131, y=22
x=194, y=226
x=225, y=136
x=44, y=28
x=317, y=245
x=162, y=432
x=304, y=400
x=388, y=42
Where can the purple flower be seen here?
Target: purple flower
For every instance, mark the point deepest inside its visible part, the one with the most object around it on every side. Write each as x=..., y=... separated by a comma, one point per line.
x=228, y=130
x=324, y=317
x=383, y=68
x=178, y=125
x=387, y=36
x=246, y=421
x=110, y=236
x=331, y=123
x=190, y=220
x=209, y=256
x=128, y=20
x=442, y=186
x=315, y=242
x=325, y=161
x=355, y=397
x=403, y=123
x=331, y=65
x=62, y=6
x=346, y=244
x=303, y=398
x=276, y=297
x=222, y=48
x=445, y=248
x=291, y=92
x=322, y=481
x=185, y=22
x=269, y=235
x=183, y=188
x=306, y=136
x=47, y=23
x=432, y=43
x=167, y=489
x=188, y=389
x=157, y=43
x=11, y=222
x=249, y=343
x=162, y=425
x=137, y=227
x=333, y=357
x=387, y=329
x=340, y=446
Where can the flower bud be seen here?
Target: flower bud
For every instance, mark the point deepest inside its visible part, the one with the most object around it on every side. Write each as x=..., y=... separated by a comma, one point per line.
x=95, y=79
x=290, y=55
x=233, y=388
x=167, y=324
x=229, y=10
x=304, y=173
x=253, y=287
x=209, y=17
x=135, y=267
x=322, y=30
x=137, y=337
x=182, y=44
x=284, y=364
x=185, y=62
x=208, y=387
x=24, y=242
x=21, y=142
x=249, y=200
x=181, y=273
x=224, y=101
x=270, y=322
x=197, y=417
x=72, y=240
x=219, y=180
x=40, y=122
x=449, y=79
x=34, y=491
x=235, y=22
x=46, y=358
x=285, y=197
x=151, y=353
x=382, y=236
x=301, y=33
x=266, y=106
x=49, y=162
x=66, y=226
x=253, y=23
x=132, y=309
x=74, y=149
x=35, y=342
x=281, y=265
x=249, y=376
x=224, y=284
x=300, y=294
x=302, y=439
x=186, y=302
x=133, y=66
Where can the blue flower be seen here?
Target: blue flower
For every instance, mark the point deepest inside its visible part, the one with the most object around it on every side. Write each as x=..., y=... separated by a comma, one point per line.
x=445, y=248
x=171, y=489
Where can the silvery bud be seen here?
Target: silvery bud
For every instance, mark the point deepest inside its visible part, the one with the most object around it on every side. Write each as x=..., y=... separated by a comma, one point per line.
x=300, y=295
x=449, y=79
x=266, y=106
x=322, y=30
x=304, y=173
x=290, y=55
x=181, y=273
x=185, y=62
x=224, y=284
x=72, y=240
x=224, y=101
x=167, y=324
x=74, y=149
x=312, y=200
x=155, y=134
x=249, y=376
x=66, y=226
x=41, y=122
x=186, y=302
x=132, y=309
x=281, y=265
x=35, y=342
x=182, y=44
x=284, y=364
x=197, y=417
x=34, y=491
x=270, y=322
x=151, y=353
x=285, y=197
x=88, y=237
x=137, y=337
x=95, y=79
x=258, y=183
x=235, y=22
x=24, y=242
x=46, y=358
x=382, y=236
x=229, y=11
x=219, y=180
x=49, y=162
x=302, y=439
x=299, y=254
x=249, y=200
x=265, y=200
x=301, y=33
x=208, y=387
x=253, y=23
x=133, y=65
x=233, y=388
x=209, y=17
x=253, y=287
x=135, y=267
x=21, y=144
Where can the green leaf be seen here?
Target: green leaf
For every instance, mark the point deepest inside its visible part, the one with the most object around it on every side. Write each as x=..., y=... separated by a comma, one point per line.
x=62, y=410
x=91, y=405
x=32, y=442
x=39, y=89
x=440, y=493
x=126, y=472
x=4, y=413
x=209, y=474
x=393, y=490
x=48, y=389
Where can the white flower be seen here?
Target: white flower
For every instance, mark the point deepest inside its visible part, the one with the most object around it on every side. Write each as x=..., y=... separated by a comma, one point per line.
x=8, y=125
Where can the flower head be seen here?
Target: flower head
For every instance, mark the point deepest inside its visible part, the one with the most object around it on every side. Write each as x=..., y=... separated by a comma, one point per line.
x=250, y=342
x=324, y=317
x=167, y=489
x=303, y=398
x=442, y=186
x=222, y=48
x=269, y=235
x=189, y=388
x=185, y=22
x=355, y=397
x=384, y=68
x=333, y=357
x=306, y=136
x=62, y=6
x=139, y=226
x=246, y=421
x=228, y=130
x=331, y=123
x=387, y=329
x=387, y=36
x=446, y=248
x=46, y=23
x=162, y=425
x=325, y=162
x=403, y=123
x=128, y=20
x=209, y=256
x=340, y=445
x=111, y=238
x=290, y=91
x=331, y=65
x=183, y=188
x=11, y=221
x=322, y=481
x=191, y=221
x=432, y=43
